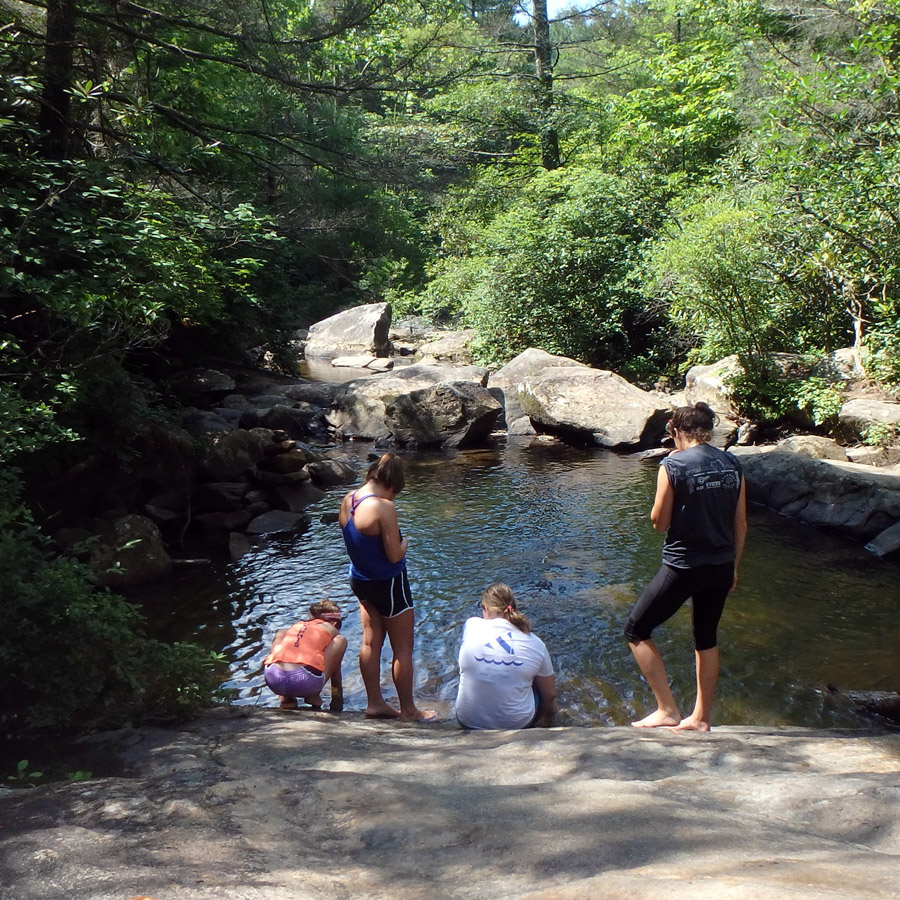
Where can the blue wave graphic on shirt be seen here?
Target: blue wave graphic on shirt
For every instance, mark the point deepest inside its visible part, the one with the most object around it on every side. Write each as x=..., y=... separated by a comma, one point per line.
x=499, y=662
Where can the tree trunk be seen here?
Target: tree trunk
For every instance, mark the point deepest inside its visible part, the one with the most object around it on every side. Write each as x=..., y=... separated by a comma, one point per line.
x=58, y=56
x=544, y=70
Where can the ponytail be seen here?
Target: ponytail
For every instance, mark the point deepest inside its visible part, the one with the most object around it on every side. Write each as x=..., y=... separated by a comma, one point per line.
x=501, y=601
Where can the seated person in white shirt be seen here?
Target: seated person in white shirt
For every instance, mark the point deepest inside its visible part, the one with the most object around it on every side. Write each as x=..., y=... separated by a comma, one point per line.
x=505, y=674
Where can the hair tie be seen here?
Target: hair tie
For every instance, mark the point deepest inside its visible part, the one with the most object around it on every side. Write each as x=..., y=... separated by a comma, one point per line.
x=510, y=608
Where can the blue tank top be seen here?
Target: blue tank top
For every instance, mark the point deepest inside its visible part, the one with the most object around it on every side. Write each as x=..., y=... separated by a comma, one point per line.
x=368, y=561
x=707, y=484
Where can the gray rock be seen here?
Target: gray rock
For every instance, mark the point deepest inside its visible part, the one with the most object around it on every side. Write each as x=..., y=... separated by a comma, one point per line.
x=317, y=393
x=209, y=810
x=295, y=497
x=332, y=472
x=519, y=427
x=712, y=384
x=595, y=405
x=238, y=545
x=375, y=363
x=359, y=406
x=200, y=422
x=859, y=418
x=220, y=496
x=449, y=346
x=293, y=460
x=201, y=385
x=873, y=456
x=362, y=329
x=814, y=446
x=213, y=528
x=845, y=364
x=129, y=553
x=299, y=420
x=886, y=542
x=505, y=381
x=277, y=521
x=839, y=495
x=234, y=453
x=450, y=414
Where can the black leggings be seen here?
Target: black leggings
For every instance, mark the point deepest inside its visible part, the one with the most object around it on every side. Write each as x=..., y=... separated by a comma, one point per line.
x=708, y=587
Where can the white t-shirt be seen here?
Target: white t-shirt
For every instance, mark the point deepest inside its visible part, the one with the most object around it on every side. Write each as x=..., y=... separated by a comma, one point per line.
x=497, y=665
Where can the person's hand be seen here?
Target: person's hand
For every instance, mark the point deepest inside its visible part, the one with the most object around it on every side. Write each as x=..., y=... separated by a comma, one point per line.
x=734, y=583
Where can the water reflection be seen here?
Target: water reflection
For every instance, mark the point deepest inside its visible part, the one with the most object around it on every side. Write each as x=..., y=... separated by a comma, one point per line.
x=568, y=529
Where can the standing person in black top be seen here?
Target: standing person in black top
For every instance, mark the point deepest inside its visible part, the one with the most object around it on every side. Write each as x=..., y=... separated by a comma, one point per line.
x=701, y=506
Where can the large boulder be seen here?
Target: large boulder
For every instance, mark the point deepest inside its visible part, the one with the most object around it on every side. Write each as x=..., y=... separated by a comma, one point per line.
x=504, y=383
x=450, y=414
x=860, y=502
x=815, y=447
x=200, y=386
x=362, y=329
x=359, y=409
x=130, y=552
x=713, y=384
x=595, y=406
x=864, y=418
x=449, y=346
x=297, y=421
x=234, y=453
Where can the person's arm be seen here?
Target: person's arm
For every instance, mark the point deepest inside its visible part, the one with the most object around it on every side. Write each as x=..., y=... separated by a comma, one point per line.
x=337, y=691
x=547, y=707
x=740, y=530
x=663, y=503
x=394, y=545
x=277, y=639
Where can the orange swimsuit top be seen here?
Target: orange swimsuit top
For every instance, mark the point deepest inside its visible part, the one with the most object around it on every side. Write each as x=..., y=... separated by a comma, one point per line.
x=303, y=644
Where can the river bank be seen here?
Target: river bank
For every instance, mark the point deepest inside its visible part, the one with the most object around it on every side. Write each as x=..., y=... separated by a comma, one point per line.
x=259, y=805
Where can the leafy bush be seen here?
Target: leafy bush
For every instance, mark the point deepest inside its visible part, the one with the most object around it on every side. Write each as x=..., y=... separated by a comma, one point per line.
x=553, y=268
x=71, y=655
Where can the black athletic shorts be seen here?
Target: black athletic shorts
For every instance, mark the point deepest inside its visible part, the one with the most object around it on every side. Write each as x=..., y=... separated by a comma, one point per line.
x=388, y=598
x=708, y=588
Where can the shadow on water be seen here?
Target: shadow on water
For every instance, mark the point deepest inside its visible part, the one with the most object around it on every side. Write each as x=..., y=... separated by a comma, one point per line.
x=568, y=529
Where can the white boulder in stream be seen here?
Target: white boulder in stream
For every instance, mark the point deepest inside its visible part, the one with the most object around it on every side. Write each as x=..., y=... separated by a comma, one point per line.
x=367, y=408
x=356, y=331
x=504, y=383
x=593, y=405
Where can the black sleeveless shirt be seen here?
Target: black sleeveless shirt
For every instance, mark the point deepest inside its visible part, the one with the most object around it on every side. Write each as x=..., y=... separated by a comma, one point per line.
x=707, y=484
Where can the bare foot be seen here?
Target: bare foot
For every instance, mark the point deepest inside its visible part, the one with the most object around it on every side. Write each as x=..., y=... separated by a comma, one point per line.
x=658, y=719
x=692, y=724
x=288, y=703
x=382, y=712
x=420, y=715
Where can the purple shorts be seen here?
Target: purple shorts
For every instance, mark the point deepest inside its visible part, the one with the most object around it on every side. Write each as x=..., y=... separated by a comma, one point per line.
x=296, y=683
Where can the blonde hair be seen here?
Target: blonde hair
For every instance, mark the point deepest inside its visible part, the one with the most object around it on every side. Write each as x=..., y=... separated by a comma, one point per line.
x=327, y=611
x=501, y=601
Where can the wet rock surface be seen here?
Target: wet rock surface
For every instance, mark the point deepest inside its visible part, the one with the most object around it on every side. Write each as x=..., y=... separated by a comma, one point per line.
x=259, y=805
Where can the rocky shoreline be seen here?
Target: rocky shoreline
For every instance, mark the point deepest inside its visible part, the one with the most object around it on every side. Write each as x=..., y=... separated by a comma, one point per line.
x=259, y=805
x=255, y=448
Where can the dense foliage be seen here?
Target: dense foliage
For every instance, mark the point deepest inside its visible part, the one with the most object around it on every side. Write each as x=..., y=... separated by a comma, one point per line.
x=642, y=185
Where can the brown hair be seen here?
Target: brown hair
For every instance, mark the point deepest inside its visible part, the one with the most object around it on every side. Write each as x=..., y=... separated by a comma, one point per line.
x=501, y=601
x=696, y=421
x=387, y=470
x=327, y=611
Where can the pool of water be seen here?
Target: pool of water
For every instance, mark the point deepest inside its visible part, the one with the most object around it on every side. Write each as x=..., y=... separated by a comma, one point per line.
x=568, y=530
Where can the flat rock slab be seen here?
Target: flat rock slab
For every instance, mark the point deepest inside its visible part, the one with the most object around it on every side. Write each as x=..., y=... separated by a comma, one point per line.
x=261, y=805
